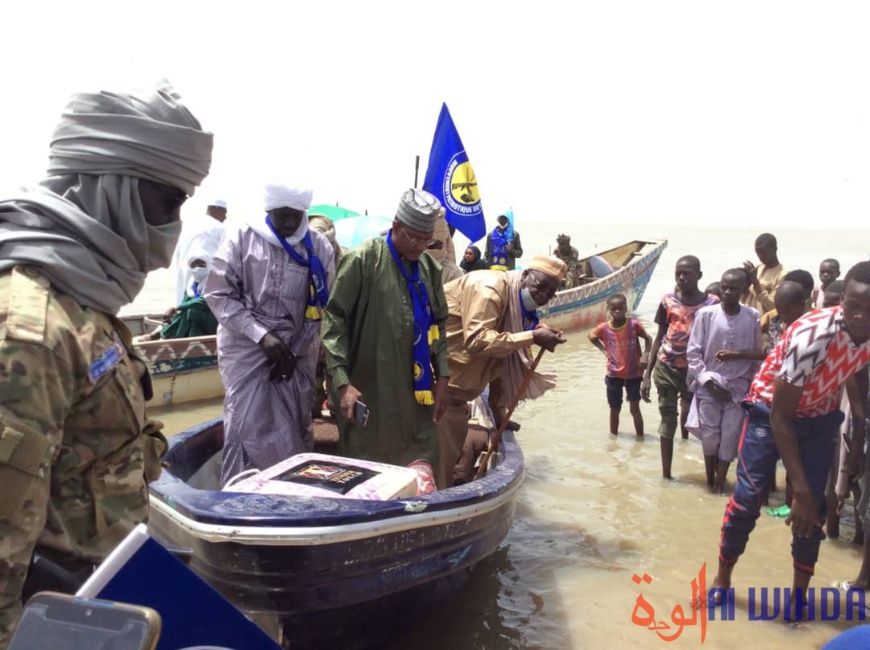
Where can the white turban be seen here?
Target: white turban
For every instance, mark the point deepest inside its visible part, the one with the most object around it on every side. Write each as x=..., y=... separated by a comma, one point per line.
x=279, y=195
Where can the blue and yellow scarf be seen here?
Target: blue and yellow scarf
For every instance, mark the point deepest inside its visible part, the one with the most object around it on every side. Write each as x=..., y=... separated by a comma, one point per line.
x=423, y=322
x=318, y=290
x=498, y=243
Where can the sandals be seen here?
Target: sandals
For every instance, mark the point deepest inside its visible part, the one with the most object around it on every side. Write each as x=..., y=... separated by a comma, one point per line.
x=780, y=513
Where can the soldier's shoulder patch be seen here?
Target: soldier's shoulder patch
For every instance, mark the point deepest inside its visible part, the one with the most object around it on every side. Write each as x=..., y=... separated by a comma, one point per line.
x=29, y=295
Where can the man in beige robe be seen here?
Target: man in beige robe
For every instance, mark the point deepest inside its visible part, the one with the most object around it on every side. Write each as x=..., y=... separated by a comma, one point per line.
x=491, y=325
x=764, y=278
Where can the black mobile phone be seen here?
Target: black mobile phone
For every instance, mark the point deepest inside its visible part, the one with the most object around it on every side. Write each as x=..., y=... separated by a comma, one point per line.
x=64, y=622
x=361, y=413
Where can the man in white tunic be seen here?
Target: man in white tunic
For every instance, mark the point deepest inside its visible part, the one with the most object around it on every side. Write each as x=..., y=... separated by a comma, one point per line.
x=202, y=232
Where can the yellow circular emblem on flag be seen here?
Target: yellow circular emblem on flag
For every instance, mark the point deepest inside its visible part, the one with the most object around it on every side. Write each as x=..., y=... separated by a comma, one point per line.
x=463, y=184
x=418, y=371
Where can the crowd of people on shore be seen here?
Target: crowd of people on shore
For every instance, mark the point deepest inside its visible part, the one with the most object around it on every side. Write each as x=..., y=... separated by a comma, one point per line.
x=755, y=366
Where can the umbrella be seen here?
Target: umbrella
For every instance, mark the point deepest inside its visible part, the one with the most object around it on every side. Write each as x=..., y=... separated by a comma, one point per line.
x=353, y=231
x=334, y=212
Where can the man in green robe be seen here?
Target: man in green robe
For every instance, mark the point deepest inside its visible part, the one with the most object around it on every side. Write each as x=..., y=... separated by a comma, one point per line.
x=385, y=341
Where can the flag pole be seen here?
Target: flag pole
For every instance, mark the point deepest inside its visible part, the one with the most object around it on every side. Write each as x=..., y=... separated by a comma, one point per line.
x=416, y=171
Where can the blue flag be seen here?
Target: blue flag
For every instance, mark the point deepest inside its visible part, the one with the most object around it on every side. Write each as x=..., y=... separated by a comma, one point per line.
x=450, y=177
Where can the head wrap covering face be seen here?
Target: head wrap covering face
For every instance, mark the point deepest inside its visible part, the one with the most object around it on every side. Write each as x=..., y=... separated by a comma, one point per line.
x=552, y=266
x=192, y=287
x=418, y=210
x=146, y=134
x=281, y=195
x=84, y=225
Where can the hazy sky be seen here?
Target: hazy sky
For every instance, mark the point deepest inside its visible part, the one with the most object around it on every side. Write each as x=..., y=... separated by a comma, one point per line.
x=659, y=112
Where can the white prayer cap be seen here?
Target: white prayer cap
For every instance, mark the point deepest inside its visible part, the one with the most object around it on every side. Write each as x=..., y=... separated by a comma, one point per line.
x=280, y=195
x=220, y=203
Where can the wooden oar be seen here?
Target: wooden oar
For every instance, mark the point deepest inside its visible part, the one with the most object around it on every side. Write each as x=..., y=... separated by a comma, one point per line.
x=496, y=439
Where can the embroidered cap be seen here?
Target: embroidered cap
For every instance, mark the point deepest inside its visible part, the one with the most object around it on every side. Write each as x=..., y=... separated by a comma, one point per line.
x=551, y=266
x=418, y=210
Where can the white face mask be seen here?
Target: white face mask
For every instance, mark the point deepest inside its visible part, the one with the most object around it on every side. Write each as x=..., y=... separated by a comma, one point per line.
x=528, y=302
x=161, y=245
x=199, y=274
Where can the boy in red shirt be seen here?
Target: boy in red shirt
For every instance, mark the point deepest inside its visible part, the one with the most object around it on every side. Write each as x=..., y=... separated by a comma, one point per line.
x=619, y=340
x=674, y=318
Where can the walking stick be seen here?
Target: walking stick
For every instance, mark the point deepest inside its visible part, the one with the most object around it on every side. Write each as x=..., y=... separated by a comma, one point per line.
x=496, y=439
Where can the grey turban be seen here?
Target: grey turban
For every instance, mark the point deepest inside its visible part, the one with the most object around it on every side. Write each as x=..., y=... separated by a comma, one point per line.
x=84, y=226
x=147, y=135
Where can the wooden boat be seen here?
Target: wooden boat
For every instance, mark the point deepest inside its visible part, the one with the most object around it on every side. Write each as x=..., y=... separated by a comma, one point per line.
x=182, y=370
x=585, y=305
x=326, y=571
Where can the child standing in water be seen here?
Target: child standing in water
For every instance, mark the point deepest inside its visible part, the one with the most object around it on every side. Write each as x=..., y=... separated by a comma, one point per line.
x=723, y=346
x=674, y=317
x=619, y=340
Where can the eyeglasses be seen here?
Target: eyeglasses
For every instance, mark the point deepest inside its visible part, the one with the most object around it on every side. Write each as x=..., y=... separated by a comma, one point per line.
x=545, y=287
x=432, y=244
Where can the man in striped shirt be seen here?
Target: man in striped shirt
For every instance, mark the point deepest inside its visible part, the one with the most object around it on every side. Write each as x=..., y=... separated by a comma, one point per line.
x=793, y=413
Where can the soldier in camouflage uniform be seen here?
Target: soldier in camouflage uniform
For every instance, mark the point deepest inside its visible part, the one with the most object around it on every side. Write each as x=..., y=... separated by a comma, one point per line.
x=76, y=446
x=568, y=254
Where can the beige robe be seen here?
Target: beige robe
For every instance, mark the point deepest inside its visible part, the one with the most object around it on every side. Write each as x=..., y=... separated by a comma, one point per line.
x=769, y=279
x=477, y=345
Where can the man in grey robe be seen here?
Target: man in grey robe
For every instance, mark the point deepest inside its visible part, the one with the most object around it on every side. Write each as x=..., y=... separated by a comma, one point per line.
x=268, y=311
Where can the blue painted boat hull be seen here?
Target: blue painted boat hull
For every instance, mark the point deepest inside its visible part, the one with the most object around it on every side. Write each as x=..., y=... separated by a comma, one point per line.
x=328, y=568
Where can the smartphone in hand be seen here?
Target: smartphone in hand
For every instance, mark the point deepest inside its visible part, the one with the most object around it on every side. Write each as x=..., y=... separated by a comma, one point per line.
x=361, y=413
x=54, y=620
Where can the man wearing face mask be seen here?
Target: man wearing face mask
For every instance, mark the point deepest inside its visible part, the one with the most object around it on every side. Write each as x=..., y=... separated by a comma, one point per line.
x=192, y=317
x=491, y=326
x=200, y=232
x=268, y=285
x=76, y=446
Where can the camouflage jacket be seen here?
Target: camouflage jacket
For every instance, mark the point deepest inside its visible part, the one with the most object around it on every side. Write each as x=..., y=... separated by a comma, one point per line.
x=76, y=448
x=572, y=256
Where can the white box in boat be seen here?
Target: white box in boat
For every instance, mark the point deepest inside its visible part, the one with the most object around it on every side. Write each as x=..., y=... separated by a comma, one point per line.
x=321, y=475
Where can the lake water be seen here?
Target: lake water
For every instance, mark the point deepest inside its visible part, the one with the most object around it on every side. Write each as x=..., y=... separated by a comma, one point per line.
x=594, y=509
